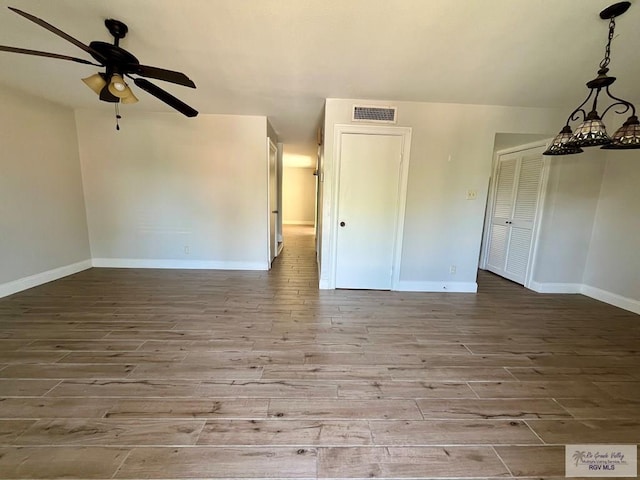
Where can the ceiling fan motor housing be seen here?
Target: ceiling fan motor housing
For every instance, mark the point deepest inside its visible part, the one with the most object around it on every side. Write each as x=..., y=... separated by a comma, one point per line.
x=116, y=58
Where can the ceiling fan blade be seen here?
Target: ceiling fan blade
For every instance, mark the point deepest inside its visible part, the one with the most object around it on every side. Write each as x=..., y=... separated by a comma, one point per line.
x=38, y=53
x=98, y=56
x=161, y=74
x=165, y=96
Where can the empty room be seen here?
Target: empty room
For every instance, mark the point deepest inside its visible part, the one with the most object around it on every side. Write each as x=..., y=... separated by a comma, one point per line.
x=304, y=239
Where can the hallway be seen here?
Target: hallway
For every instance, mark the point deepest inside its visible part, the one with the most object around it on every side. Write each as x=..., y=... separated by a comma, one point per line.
x=129, y=374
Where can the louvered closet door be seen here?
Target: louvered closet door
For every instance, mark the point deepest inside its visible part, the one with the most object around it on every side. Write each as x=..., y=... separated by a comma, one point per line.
x=502, y=212
x=514, y=212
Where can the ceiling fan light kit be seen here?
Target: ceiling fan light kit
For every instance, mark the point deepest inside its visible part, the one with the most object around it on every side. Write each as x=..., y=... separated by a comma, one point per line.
x=118, y=63
x=592, y=131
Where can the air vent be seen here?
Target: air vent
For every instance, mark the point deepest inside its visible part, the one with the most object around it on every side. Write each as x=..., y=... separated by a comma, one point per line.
x=362, y=113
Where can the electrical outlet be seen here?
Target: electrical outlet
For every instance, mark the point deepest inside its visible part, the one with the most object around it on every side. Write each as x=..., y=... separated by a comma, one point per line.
x=472, y=194
x=452, y=269
x=186, y=249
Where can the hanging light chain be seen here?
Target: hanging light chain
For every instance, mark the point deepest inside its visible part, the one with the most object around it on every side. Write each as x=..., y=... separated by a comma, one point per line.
x=607, y=52
x=118, y=116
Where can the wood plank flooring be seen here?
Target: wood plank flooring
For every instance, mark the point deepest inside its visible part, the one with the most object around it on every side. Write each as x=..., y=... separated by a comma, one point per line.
x=160, y=374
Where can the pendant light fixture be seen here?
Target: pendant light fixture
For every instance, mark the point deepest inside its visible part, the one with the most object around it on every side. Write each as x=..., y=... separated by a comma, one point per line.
x=592, y=132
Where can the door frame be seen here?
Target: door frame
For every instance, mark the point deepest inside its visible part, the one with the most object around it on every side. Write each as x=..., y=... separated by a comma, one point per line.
x=272, y=149
x=405, y=134
x=280, y=171
x=544, y=177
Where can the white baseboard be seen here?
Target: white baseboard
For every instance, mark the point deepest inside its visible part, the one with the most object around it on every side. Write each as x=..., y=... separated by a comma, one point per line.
x=612, y=298
x=177, y=264
x=31, y=281
x=405, y=286
x=543, y=287
x=298, y=222
x=588, y=291
x=454, y=287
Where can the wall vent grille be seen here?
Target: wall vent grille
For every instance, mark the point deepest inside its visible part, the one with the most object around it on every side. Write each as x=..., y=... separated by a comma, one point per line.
x=364, y=113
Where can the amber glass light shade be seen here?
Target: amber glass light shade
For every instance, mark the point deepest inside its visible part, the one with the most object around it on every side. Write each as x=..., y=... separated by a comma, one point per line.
x=130, y=98
x=117, y=86
x=95, y=82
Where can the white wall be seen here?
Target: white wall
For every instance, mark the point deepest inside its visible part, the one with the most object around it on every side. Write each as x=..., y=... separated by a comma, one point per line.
x=165, y=185
x=589, y=234
x=573, y=190
x=298, y=196
x=43, y=228
x=451, y=151
x=612, y=270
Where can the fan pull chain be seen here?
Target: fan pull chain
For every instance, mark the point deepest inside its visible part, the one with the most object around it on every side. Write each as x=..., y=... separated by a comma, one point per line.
x=118, y=116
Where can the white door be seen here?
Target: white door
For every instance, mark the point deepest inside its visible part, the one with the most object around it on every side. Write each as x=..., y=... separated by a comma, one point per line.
x=516, y=201
x=369, y=185
x=273, y=201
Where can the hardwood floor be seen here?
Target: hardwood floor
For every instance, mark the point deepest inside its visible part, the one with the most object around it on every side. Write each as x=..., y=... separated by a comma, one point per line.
x=214, y=374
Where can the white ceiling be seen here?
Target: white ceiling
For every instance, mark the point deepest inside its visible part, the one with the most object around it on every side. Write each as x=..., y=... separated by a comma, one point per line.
x=282, y=58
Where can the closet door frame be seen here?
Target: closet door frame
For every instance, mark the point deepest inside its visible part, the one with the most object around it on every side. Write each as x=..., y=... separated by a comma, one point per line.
x=544, y=176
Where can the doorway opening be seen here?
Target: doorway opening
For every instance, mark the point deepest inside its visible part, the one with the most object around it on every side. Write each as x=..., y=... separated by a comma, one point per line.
x=299, y=190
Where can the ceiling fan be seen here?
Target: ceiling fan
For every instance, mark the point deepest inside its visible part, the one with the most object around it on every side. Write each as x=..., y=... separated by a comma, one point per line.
x=118, y=63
